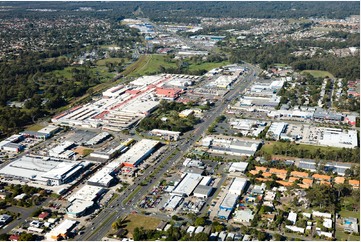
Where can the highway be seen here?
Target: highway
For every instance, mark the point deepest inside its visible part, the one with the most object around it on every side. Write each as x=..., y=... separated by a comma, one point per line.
x=102, y=222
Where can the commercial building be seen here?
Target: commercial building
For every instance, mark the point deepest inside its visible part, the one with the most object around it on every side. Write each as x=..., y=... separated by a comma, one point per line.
x=168, y=93
x=83, y=199
x=138, y=152
x=62, y=150
x=186, y=113
x=47, y=171
x=238, y=185
x=61, y=231
x=166, y=134
x=105, y=176
x=11, y=144
x=119, y=108
x=187, y=185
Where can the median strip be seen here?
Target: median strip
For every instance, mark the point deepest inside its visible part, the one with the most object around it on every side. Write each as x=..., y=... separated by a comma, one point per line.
x=99, y=227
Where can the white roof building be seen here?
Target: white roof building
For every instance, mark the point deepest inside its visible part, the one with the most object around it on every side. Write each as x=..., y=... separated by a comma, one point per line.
x=276, y=129
x=173, y=203
x=191, y=230
x=83, y=199
x=339, y=138
x=187, y=184
x=199, y=229
x=238, y=167
x=296, y=229
x=206, y=180
x=292, y=217
x=319, y=214
x=138, y=152
x=61, y=230
x=238, y=185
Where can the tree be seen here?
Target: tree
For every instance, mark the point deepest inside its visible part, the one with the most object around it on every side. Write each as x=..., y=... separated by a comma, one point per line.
x=26, y=237
x=261, y=236
x=200, y=221
x=200, y=237
x=4, y=237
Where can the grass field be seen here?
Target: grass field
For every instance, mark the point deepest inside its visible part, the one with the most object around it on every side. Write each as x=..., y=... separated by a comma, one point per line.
x=35, y=127
x=345, y=214
x=137, y=220
x=316, y=73
x=151, y=65
x=110, y=60
x=208, y=65
x=268, y=147
x=100, y=72
x=341, y=236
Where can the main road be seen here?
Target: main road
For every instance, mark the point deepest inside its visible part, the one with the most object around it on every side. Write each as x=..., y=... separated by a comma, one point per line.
x=101, y=224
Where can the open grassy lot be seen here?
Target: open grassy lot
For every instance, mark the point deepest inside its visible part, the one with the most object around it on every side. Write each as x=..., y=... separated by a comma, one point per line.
x=110, y=60
x=207, y=65
x=345, y=214
x=151, y=64
x=35, y=127
x=341, y=236
x=100, y=72
x=137, y=220
x=317, y=73
x=268, y=146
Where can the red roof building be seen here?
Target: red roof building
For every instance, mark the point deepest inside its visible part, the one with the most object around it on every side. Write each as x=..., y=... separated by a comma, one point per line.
x=43, y=215
x=171, y=93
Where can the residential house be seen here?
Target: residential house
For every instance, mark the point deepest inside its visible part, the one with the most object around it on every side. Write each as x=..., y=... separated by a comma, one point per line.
x=339, y=180
x=354, y=183
x=299, y=174
x=280, y=173
x=320, y=177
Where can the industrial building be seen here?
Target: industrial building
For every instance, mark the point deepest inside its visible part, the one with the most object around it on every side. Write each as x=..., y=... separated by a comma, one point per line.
x=231, y=146
x=98, y=138
x=238, y=167
x=202, y=191
x=43, y=133
x=339, y=138
x=83, y=199
x=173, y=203
x=138, y=152
x=238, y=185
x=48, y=171
x=229, y=202
x=276, y=130
x=187, y=185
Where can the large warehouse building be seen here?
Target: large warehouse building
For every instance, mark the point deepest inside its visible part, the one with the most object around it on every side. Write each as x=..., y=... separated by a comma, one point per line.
x=238, y=185
x=52, y=172
x=187, y=185
x=138, y=152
